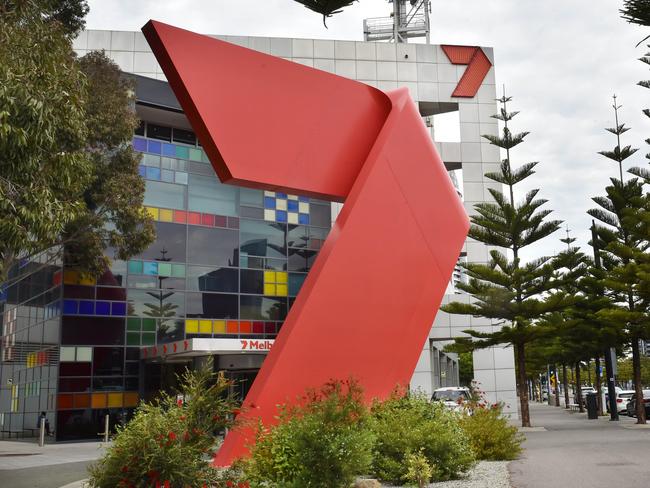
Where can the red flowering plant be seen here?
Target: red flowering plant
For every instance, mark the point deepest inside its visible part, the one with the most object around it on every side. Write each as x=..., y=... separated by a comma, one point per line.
x=170, y=443
x=491, y=435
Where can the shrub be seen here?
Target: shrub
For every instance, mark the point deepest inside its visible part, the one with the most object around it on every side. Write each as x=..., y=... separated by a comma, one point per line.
x=170, y=442
x=407, y=425
x=490, y=435
x=323, y=443
x=418, y=469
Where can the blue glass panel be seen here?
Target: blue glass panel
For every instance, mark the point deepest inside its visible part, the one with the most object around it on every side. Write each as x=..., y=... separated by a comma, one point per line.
x=150, y=268
x=169, y=150
x=281, y=215
x=70, y=307
x=139, y=144
x=303, y=199
x=292, y=205
x=303, y=219
x=167, y=175
x=269, y=202
x=281, y=195
x=153, y=173
x=102, y=308
x=142, y=170
x=154, y=147
x=86, y=307
x=118, y=308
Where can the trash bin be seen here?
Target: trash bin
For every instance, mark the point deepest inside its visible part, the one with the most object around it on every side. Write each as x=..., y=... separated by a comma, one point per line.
x=592, y=406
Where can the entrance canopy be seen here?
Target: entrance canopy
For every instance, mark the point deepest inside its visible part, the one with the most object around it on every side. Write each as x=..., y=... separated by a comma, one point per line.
x=202, y=347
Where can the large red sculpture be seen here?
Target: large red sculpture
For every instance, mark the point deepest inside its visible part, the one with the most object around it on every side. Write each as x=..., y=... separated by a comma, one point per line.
x=368, y=303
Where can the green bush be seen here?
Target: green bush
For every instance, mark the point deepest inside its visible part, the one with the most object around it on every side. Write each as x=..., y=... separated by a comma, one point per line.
x=490, y=435
x=411, y=425
x=324, y=443
x=171, y=442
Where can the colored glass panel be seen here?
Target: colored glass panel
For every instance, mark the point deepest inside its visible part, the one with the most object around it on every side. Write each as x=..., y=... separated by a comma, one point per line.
x=153, y=212
x=180, y=216
x=281, y=215
x=245, y=327
x=115, y=400
x=154, y=147
x=281, y=277
x=70, y=307
x=192, y=326
x=118, y=308
x=205, y=326
x=148, y=339
x=70, y=277
x=207, y=219
x=166, y=215
x=102, y=308
x=152, y=173
x=150, y=268
x=269, y=276
x=65, y=400
x=178, y=270
x=269, y=289
x=98, y=400
x=195, y=155
x=133, y=324
x=194, y=218
x=135, y=267
x=269, y=327
x=232, y=327
x=281, y=290
x=164, y=269
x=133, y=338
x=167, y=175
x=82, y=400
x=149, y=325
x=182, y=152
x=258, y=327
x=303, y=219
x=219, y=326
x=169, y=150
x=139, y=144
x=292, y=205
x=131, y=399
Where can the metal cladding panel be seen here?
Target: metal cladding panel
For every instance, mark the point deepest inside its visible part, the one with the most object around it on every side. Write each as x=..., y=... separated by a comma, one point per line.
x=478, y=66
x=378, y=281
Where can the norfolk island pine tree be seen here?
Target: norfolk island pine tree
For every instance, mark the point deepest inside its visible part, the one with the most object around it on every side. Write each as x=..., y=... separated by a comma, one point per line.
x=506, y=289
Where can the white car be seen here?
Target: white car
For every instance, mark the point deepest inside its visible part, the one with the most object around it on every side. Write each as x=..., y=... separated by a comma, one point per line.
x=584, y=390
x=452, y=396
x=622, y=397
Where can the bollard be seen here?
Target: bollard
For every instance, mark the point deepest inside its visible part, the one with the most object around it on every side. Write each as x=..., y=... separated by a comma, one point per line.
x=41, y=437
x=106, y=424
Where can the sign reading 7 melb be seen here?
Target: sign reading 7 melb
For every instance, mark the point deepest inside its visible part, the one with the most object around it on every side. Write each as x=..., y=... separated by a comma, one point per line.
x=368, y=303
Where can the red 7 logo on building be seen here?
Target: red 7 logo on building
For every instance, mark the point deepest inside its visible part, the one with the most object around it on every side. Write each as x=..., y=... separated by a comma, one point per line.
x=478, y=66
x=368, y=302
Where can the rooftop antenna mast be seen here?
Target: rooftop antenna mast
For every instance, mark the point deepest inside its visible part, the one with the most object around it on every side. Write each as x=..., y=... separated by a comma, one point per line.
x=410, y=18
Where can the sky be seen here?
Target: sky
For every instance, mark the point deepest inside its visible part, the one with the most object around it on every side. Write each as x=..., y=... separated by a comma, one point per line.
x=561, y=60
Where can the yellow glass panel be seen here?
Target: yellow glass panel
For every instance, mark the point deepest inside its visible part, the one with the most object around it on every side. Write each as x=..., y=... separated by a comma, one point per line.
x=219, y=326
x=86, y=279
x=191, y=326
x=98, y=400
x=115, y=400
x=269, y=289
x=281, y=277
x=205, y=326
x=70, y=277
x=269, y=276
x=166, y=215
x=153, y=212
x=281, y=290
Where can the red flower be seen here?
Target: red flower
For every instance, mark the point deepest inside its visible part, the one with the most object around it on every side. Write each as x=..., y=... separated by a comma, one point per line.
x=153, y=474
x=179, y=402
x=166, y=484
x=182, y=417
x=124, y=469
x=216, y=418
x=229, y=484
x=171, y=436
x=186, y=436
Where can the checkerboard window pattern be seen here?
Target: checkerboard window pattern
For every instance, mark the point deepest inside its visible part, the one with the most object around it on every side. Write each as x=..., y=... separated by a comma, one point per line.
x=289, y=209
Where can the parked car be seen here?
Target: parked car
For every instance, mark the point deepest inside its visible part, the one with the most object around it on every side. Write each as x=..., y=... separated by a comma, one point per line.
x=631, y=405
x=622, y=398
x=584, y=390
x=452, y=396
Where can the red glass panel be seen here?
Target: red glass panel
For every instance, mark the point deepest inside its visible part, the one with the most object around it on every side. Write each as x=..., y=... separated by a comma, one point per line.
x=180, y=216
x=194, y=218
x=245, y=327
x=232, y=327
x=269, y=327
x=258, y=327
x=220, y=221
x=64, y=401
x=207, y=219
x=82, y=400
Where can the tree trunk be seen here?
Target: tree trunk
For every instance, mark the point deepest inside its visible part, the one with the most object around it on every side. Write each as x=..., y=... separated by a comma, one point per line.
x=599, y=388
x=589, y=373
x=557, y=386
x=578, y=388
x=638, y=387
x=565, y=383
x=523, y=393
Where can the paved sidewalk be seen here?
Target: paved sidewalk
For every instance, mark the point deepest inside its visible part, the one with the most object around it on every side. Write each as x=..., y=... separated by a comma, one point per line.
x=576, y=452
x=21, y=454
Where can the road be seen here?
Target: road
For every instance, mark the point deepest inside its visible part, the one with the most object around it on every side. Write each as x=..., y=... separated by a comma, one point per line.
x=575, y=452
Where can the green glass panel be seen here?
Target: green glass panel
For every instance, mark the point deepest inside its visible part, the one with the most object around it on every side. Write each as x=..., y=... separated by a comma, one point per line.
x=195, y=155
x=164, y=269
x=178, y=270
x=133, y=324
x=149, y=324
x=133, y=339
x=135, y=267
x=182, y=152
x=148, y=339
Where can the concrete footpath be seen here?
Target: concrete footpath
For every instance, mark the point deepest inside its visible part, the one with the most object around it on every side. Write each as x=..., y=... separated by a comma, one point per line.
x=25, y=465
x=566, y=449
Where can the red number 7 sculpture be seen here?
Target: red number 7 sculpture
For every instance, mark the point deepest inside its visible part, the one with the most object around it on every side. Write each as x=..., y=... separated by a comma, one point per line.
x=368, y=303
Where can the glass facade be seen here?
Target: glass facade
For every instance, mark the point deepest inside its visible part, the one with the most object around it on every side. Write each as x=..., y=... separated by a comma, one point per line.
x=227, y=262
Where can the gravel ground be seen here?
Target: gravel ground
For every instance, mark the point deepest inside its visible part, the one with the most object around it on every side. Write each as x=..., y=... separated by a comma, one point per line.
x=486, y=474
